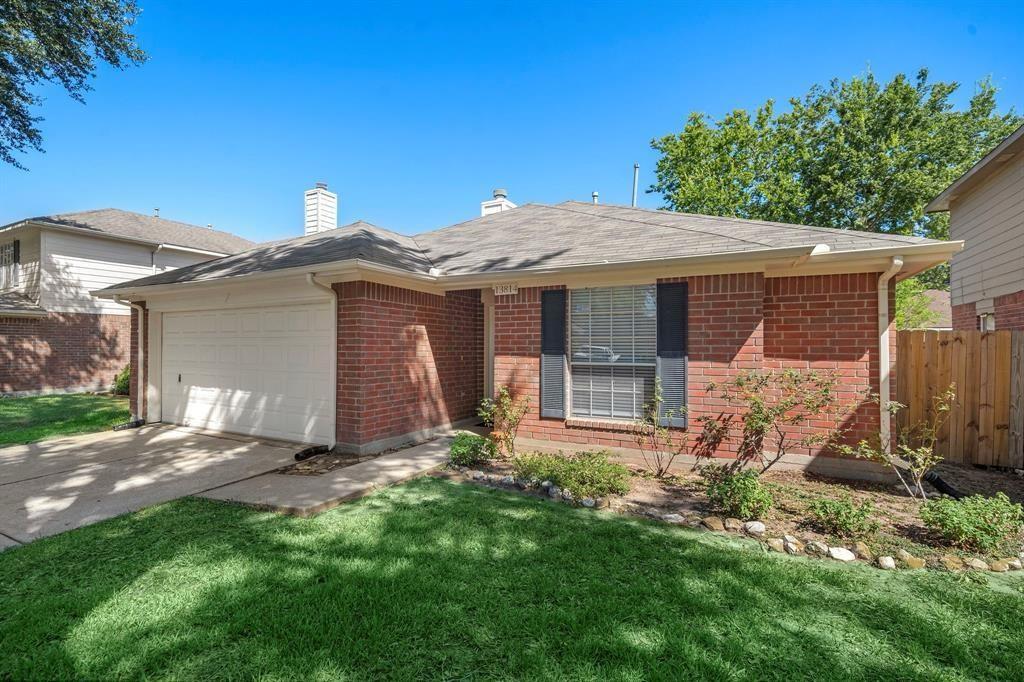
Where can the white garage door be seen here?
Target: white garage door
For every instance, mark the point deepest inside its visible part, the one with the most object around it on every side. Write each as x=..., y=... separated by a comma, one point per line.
x=257, y=371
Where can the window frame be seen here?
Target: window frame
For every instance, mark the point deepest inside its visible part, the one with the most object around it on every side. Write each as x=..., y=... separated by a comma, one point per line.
x=570, y=412
x=13, y=280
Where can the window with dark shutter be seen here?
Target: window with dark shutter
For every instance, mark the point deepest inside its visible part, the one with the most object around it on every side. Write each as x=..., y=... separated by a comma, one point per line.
x=552, y=353
x=672, y=351
x=10, y=254
x=612, y=350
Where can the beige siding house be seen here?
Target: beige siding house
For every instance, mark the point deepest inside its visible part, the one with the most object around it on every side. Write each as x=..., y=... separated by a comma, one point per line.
x=986, y=207
x=54, y=334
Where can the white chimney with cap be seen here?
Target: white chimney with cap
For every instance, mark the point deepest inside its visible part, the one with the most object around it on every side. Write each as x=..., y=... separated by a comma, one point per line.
x=321, y=209
x=498, y=204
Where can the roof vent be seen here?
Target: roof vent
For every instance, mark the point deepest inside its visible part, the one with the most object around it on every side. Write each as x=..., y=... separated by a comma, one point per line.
x=498, y=204
x=594, y=197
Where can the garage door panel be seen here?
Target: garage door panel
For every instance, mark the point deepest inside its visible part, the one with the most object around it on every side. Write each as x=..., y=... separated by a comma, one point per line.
x=259, y=371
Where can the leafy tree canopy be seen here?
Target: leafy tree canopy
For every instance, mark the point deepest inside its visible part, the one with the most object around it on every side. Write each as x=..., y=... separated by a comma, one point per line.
x=857, y=154
x=58, y=41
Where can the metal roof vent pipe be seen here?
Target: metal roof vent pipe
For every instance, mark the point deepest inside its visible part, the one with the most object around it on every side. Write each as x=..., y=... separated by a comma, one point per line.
x=498, y=204
x=594, y=197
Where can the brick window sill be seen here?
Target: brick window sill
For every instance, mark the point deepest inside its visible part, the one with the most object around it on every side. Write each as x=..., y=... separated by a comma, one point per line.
x=601, y=424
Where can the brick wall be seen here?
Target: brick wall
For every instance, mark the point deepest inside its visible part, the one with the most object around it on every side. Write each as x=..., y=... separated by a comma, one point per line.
x=965, y=317
x=407, y=360
x=1009, y=311
x=737, y=322
x=62, y=351
x=830, y=323
x=134, y=344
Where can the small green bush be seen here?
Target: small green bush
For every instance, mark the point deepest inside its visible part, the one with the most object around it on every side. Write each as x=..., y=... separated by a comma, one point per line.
x=976, y=523
x=844, y=518
x=585, y=474
x=736, y=493
x=123, y=381
x=469, y=449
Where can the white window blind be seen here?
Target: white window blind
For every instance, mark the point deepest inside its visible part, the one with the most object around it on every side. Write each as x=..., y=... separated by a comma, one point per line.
x=612, y=350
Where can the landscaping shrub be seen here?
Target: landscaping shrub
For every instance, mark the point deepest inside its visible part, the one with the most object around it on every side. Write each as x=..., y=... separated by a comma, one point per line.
x=504, y=413
x=976, y=523
x=469, y=449
x=586, y=474
x=123, y=380
x=736, y=493
x=843, y=517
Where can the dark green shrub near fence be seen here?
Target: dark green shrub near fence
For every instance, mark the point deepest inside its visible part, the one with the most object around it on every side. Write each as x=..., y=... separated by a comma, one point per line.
x=977, y=522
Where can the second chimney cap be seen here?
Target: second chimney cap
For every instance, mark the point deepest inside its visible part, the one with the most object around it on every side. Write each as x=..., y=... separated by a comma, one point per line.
x=501, y=193
x=321, y=185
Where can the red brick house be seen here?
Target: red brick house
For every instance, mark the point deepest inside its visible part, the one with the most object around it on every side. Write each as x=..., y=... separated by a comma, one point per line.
x=54, y=334
x=364, y=339
x=986, y=212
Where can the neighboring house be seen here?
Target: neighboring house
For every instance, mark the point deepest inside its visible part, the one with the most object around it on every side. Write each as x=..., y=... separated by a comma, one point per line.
x=942, y=312
x=366, y=339
x=986, y=212
x=54, y=334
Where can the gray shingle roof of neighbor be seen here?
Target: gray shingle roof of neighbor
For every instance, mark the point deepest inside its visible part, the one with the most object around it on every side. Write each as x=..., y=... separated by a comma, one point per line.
x=359, y=240
x=15, y=302
x=532, y=236
x=118, y=223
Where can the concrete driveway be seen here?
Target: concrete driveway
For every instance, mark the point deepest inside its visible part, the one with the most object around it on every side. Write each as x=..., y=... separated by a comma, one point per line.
x=53, y=486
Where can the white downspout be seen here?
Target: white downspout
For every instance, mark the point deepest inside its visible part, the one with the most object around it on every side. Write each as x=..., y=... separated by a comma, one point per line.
x=155, y=253
x=884, y=392
x=311, y=280
x=141, y=384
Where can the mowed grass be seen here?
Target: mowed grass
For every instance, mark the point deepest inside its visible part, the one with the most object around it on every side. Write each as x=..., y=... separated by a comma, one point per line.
x=27, y=420
x=436, y=580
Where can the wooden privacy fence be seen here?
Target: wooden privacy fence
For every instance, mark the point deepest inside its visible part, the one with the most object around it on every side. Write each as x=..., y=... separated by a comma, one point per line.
x=986, y=422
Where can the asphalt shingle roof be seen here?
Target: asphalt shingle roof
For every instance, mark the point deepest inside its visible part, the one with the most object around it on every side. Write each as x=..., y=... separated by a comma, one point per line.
x=534, y=236
x=151, y=229
x=359, y=240
x=17, y=302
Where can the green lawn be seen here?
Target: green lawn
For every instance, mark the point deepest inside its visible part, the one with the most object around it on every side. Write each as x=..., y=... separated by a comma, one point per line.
x=26, y=420
x=439, y=580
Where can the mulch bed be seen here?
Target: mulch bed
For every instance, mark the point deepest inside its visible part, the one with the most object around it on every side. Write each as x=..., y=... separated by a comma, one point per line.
x=900, y=524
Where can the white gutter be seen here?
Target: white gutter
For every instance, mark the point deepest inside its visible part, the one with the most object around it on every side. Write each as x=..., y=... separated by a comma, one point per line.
x=311, y=280
x=141, y=384
x=884, y=392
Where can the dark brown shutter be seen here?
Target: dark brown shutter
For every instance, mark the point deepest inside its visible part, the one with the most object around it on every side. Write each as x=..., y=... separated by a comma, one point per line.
x=17, y=250
x=673, y=323
x=552, y=353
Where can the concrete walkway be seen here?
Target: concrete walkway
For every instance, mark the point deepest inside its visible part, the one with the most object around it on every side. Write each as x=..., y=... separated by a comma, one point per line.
x=55, y=485
x=309, y=495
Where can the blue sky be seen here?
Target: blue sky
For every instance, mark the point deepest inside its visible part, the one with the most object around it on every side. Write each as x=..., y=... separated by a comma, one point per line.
x=414, y=112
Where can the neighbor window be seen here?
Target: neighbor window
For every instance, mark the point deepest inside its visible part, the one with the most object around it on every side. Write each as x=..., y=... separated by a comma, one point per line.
x=612, y=350
x=987, y=322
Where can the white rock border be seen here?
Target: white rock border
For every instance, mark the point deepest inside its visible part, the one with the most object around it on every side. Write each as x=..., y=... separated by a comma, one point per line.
x=755, y=529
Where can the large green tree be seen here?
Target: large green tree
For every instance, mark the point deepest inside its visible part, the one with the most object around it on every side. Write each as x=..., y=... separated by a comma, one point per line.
x=858, y=154
x=57, y=41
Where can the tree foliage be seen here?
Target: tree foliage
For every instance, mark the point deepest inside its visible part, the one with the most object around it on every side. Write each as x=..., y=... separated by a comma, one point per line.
x=858, y=154
x=55, y=41
x=913, y=307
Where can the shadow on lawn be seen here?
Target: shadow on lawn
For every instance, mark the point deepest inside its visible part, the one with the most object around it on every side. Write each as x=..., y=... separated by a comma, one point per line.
x=433, y=580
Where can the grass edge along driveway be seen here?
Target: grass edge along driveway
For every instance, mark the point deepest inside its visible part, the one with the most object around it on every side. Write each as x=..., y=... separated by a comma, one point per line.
x=433, y=579
x=36, y=418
